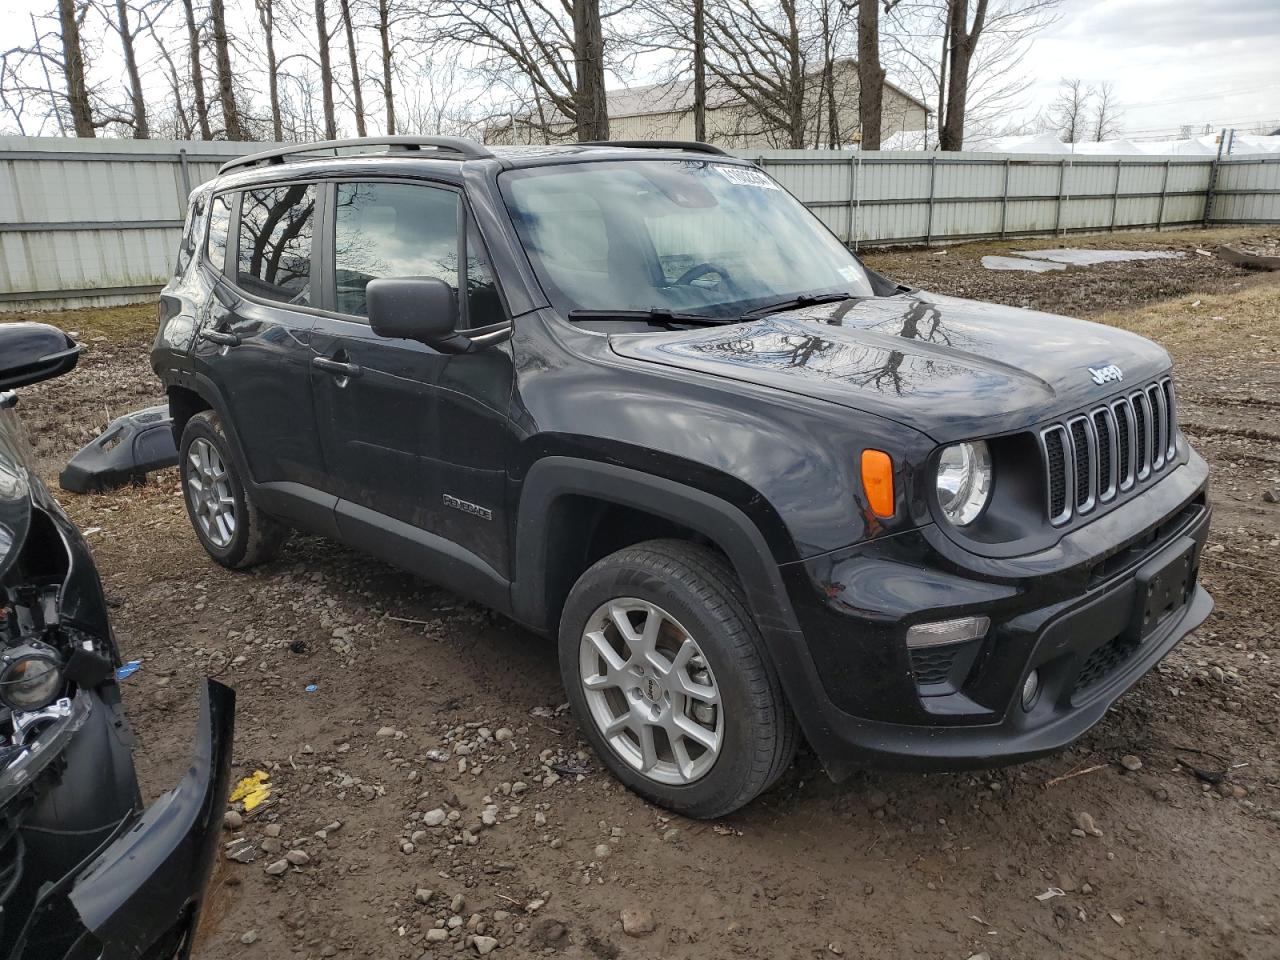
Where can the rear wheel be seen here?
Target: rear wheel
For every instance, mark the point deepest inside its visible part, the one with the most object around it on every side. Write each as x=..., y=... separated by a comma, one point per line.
x=227, y=522
x=668, y=676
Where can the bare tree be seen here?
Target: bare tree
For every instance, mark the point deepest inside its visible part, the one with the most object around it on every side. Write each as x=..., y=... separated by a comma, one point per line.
x=964, y=33
x=267, y=18
x=549, y=55
x=69, y=20
x=870, y=73
x=919, y=47
x=592, y=107
x=384, y=36
x=197, y=71
x=758, y=54
x=326, y=71
x=699, y=70
x=344, y=7
x=1105, y=118
x=1067, y=115
x=231, y=123
x=117, y=16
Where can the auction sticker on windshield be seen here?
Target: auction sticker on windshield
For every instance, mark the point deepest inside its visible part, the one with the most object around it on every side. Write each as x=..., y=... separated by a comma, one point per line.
x=747, y=177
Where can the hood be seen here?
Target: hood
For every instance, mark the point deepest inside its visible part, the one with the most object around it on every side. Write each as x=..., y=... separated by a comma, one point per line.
x=15, y=488
x=950, y=368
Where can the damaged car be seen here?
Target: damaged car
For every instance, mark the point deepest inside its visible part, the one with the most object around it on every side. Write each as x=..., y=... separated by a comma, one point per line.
x=85, y=871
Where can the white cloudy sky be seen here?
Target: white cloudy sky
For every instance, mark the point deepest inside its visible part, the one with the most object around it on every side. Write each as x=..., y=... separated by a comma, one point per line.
x=1171, y=62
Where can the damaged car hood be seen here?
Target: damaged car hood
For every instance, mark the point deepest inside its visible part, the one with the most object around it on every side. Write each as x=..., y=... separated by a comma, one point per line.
x=15, y=488
x=948, y=367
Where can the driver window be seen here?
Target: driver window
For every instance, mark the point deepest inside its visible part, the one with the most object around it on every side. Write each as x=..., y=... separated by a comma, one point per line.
x=392, y=230
x=274, y=259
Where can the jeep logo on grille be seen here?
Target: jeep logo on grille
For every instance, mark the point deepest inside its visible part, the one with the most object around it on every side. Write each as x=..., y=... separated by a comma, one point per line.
x=1106, y=374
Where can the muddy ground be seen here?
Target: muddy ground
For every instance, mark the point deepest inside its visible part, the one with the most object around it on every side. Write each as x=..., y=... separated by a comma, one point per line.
x=885, y=865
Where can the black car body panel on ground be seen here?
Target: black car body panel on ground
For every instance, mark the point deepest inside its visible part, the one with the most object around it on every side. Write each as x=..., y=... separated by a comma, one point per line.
x=85, y=870
x=959, y=530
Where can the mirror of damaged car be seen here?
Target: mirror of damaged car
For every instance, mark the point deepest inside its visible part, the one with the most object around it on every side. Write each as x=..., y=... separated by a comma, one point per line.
x=32, y=352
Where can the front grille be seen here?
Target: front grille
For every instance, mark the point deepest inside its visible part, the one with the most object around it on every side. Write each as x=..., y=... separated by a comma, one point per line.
x=933, y=666
x=1088, y=458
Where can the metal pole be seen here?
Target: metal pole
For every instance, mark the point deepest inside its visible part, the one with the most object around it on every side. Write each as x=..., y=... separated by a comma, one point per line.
x=1115, y=197
x=186, y=179
x=1062, y=179
x=1213, y=179
x=853, y=201
x=928, y=228
x=1164, y=189
x=1004, y=199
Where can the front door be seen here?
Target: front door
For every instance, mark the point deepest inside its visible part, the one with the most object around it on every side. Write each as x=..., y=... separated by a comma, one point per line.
x=254, y=342
x=383, y=405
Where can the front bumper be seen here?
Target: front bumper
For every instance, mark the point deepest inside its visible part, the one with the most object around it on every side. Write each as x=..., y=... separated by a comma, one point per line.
x=1074, y=614
x=139, y=895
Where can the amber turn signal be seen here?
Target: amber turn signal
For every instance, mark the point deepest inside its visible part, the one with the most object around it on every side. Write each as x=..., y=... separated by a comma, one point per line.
x=877, y=481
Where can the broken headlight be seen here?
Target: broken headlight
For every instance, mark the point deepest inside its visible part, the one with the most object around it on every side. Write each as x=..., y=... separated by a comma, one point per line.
x=31, y=677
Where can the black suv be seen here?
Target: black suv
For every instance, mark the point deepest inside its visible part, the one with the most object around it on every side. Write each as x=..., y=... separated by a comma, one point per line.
x=637, y=397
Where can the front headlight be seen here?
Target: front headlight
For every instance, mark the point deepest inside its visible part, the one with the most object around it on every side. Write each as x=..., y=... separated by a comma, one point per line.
x=30, y=678
x=964, y=481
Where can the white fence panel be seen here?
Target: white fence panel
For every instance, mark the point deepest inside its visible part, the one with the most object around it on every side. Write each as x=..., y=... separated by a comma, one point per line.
x=97, y=221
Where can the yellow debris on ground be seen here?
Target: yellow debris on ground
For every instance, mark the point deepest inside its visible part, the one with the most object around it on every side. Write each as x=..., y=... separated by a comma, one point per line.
x=252, y=790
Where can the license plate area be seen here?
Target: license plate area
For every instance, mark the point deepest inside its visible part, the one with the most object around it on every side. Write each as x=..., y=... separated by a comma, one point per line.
x=1164, y=586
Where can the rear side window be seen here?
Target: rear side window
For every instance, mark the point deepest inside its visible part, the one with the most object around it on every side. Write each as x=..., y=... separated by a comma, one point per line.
x=274, y=254
x=392, y=230
x=190, y=230
x=219, y=227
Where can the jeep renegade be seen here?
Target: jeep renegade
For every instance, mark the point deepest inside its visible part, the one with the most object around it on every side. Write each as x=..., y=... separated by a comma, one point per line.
x=637, y=398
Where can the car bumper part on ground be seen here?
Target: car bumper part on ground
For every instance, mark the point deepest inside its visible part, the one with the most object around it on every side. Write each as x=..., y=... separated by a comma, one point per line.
x=1074, y=615
x=140, y=895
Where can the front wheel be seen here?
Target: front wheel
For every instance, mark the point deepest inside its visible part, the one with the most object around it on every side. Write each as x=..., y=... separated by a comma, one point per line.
x=669, y=679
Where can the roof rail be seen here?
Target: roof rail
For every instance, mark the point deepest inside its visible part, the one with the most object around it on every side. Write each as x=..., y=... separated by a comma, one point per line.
x=694, y=145
x=463, y=148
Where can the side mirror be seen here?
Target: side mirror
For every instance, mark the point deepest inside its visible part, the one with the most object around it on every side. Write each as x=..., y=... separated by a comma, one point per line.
x=416, y=308
x=31, y=352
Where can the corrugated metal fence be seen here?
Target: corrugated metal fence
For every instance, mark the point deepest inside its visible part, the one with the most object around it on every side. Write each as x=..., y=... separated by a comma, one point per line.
x=86, y=222
x=912, y=197
x=92, y=222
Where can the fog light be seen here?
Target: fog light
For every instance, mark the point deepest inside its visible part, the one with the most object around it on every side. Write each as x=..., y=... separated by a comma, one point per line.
x=1031, y=690
x=947, y=631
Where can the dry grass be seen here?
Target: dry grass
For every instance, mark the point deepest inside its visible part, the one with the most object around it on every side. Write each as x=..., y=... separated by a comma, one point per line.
x=1251, y=312
x=121, y=324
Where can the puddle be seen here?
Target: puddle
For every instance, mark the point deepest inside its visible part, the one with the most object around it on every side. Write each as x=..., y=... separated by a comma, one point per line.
x=1038, y=261
x=1017, y=263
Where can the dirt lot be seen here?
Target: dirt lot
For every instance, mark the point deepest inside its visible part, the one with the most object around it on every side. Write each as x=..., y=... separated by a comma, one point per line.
x=408, y=678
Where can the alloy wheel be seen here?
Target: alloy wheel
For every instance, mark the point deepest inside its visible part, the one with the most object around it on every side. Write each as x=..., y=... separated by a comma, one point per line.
x=209, y=492
x=650, y=691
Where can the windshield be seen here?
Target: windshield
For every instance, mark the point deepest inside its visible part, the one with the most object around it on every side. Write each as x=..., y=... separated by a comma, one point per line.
x=688, y=236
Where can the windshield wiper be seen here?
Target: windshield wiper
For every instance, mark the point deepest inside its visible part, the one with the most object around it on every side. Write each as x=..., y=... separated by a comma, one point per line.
x=652, y=315
x=802, y=300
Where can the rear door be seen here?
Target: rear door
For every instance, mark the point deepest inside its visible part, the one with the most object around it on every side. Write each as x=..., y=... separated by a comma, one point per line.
x=254, y=343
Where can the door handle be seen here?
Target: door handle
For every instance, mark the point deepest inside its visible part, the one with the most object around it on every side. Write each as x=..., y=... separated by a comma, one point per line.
x=337, y=367
x=220, y=338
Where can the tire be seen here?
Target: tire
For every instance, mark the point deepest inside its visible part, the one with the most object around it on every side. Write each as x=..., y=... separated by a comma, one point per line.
x=241, y=536
x=695, y=595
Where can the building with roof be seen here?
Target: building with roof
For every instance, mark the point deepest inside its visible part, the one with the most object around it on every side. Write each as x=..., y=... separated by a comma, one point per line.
x=664, y=111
